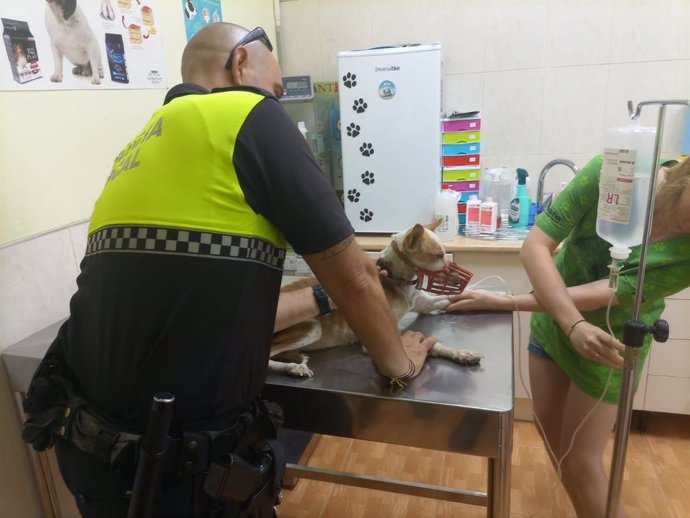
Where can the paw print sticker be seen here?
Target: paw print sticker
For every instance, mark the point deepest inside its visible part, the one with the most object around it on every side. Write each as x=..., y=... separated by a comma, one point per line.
x=353, y=129
x=353, y=195
x=350, y=80
x=366, y=149
x=360, y=106
x=367, y=177
x=366, y=215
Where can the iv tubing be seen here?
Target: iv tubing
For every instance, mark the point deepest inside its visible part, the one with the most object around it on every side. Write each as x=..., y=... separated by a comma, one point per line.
x=631, y=354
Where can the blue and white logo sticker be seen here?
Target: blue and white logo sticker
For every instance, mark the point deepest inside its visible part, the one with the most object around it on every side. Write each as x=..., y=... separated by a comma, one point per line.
x=387, y=90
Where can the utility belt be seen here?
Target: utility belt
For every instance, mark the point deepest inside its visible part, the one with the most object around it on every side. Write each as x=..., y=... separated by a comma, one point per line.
x=242, y=464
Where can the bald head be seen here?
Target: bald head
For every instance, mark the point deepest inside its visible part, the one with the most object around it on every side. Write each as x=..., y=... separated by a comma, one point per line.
x=206, y=54
x=208, y=50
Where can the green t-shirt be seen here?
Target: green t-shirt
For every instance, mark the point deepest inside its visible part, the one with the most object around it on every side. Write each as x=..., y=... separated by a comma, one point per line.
x=584, y=258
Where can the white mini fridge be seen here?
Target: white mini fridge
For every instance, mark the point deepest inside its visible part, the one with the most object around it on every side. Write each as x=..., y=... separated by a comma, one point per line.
x=390, y=125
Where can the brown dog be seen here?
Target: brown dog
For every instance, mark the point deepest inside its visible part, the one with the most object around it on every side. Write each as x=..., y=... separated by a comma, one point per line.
x=422, y=249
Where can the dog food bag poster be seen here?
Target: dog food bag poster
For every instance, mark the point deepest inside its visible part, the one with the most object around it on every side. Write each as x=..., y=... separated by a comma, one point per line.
x=80, y=44
x=199, y=13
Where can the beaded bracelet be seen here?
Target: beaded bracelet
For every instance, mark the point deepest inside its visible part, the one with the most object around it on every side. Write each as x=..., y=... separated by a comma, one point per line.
x=399, y=381
x=573, y=326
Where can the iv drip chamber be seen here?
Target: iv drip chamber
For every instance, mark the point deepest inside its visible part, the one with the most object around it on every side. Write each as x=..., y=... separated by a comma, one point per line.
x=624, y=187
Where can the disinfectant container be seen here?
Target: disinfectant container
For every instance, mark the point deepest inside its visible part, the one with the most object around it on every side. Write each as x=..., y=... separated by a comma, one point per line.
x=488, y=216
x=472, y=218
x=447, y=210
x=624, y=187
x=519, y=207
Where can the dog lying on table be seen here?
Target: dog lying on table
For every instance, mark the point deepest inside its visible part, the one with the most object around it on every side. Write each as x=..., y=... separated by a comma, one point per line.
x=419, y=280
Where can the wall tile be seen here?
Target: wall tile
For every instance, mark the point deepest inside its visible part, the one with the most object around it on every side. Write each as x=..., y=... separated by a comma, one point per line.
x=394, y=22
x=78, y=234
x=511, y=110
x=462, y=92
x=38, y=280
x=460, y=27
x=300, y=38
x=574, y=101
x=644, y=82
x=515, y=34
x=344, y=25
x=646, y=30
x=579, y=32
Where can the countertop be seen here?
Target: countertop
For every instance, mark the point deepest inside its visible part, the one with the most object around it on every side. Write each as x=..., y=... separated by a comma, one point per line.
x=459, y=244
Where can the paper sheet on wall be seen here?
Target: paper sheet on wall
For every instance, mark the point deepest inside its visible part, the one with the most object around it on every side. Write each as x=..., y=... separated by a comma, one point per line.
x=199, y=13
x=84, y=44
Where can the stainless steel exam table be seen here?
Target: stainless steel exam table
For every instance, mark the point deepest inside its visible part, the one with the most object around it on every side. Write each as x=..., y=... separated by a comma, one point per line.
x=447, y=407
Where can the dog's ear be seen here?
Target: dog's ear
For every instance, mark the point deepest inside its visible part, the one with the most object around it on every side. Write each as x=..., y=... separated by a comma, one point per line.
x=68, y=8
x=436, y=223
x=413, y=236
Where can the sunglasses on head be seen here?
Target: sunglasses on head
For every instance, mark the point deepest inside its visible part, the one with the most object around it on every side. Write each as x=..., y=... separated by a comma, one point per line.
x=253, y=35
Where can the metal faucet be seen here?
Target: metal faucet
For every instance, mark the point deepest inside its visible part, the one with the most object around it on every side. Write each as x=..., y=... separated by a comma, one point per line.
x=544, y=204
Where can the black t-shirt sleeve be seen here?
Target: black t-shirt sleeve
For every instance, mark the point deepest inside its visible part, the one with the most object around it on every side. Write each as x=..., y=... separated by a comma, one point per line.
x=282, y=181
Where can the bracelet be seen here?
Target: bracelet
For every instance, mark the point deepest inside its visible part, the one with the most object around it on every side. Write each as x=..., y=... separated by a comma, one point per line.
x=399, y=381
x=573, y=326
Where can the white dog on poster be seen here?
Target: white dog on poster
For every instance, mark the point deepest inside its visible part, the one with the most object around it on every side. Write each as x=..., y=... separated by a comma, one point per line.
x=71, y=37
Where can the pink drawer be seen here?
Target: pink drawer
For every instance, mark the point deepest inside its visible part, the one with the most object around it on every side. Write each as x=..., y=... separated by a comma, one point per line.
x=461, y=124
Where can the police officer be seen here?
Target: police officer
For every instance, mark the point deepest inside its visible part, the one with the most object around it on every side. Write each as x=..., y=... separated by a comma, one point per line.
x=179, y=286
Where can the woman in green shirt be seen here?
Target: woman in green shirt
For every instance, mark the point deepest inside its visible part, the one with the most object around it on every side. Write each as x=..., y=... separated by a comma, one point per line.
x=571, y=351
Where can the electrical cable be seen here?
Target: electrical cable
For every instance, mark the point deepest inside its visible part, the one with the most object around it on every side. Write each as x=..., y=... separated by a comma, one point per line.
x=557, y=461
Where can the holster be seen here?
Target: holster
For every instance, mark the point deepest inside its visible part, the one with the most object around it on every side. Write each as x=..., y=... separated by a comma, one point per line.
x=252, y=477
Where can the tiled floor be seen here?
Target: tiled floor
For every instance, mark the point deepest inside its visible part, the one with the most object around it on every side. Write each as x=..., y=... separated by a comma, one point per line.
x=656, y=482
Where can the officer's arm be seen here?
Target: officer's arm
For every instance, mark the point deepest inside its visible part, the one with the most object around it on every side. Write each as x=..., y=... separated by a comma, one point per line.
x=352, y=281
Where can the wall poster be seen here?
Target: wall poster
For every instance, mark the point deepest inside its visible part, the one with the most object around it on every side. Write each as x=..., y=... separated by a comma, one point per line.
x=80, y=44
x=199, y=13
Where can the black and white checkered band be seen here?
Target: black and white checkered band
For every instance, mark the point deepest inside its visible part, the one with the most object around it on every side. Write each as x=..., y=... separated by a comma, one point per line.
x=162, y=240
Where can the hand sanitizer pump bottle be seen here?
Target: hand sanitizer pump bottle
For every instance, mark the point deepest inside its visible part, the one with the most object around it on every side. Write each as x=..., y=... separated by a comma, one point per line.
x=624, y=190
x=519, y=207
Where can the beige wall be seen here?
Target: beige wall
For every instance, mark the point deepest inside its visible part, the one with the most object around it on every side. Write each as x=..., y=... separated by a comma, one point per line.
x=56, y=147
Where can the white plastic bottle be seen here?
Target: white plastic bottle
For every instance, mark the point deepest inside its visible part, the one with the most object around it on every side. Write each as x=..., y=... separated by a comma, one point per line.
x=447, y=210
x=472, y=210
x=624, y=187
x=488, y=216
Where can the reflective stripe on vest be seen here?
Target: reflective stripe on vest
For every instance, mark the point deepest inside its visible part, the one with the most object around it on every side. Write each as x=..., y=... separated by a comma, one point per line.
x=178, y=172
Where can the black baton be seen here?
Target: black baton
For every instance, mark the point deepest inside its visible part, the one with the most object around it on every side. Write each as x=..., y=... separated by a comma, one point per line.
x=153, y=448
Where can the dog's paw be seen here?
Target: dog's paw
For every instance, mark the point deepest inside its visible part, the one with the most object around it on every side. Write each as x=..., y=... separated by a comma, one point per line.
x=459, y=356
x=56, y=78
x=428, y=303
x=95, y=80
x=466, y=357
x=299, y=370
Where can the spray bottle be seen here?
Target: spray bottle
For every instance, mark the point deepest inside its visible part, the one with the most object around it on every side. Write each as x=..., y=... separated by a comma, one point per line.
x=623, y=191
x=519, y=207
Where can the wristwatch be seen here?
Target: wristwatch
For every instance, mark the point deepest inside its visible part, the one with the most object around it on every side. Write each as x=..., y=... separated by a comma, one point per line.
x=321, y=299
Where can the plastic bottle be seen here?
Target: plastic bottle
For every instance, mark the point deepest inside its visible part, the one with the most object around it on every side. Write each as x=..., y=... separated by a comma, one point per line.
x=489, y=216
x=484, y=183
x=624, y=187
x=519, y=207
x=505, y=194
x=303, y=130
x=472, y=217
x=447, y=210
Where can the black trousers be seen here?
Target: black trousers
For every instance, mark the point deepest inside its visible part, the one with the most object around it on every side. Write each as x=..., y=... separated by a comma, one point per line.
x=102, y=492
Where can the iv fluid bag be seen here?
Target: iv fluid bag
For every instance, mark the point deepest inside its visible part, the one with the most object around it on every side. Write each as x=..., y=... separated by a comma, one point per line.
x=624, y=186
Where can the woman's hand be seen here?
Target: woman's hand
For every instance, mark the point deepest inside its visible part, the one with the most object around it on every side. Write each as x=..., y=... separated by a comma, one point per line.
x=480, y=300
x=596, y=344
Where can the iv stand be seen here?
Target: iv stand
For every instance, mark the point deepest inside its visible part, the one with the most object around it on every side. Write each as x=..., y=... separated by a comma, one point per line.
x=635, y=330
